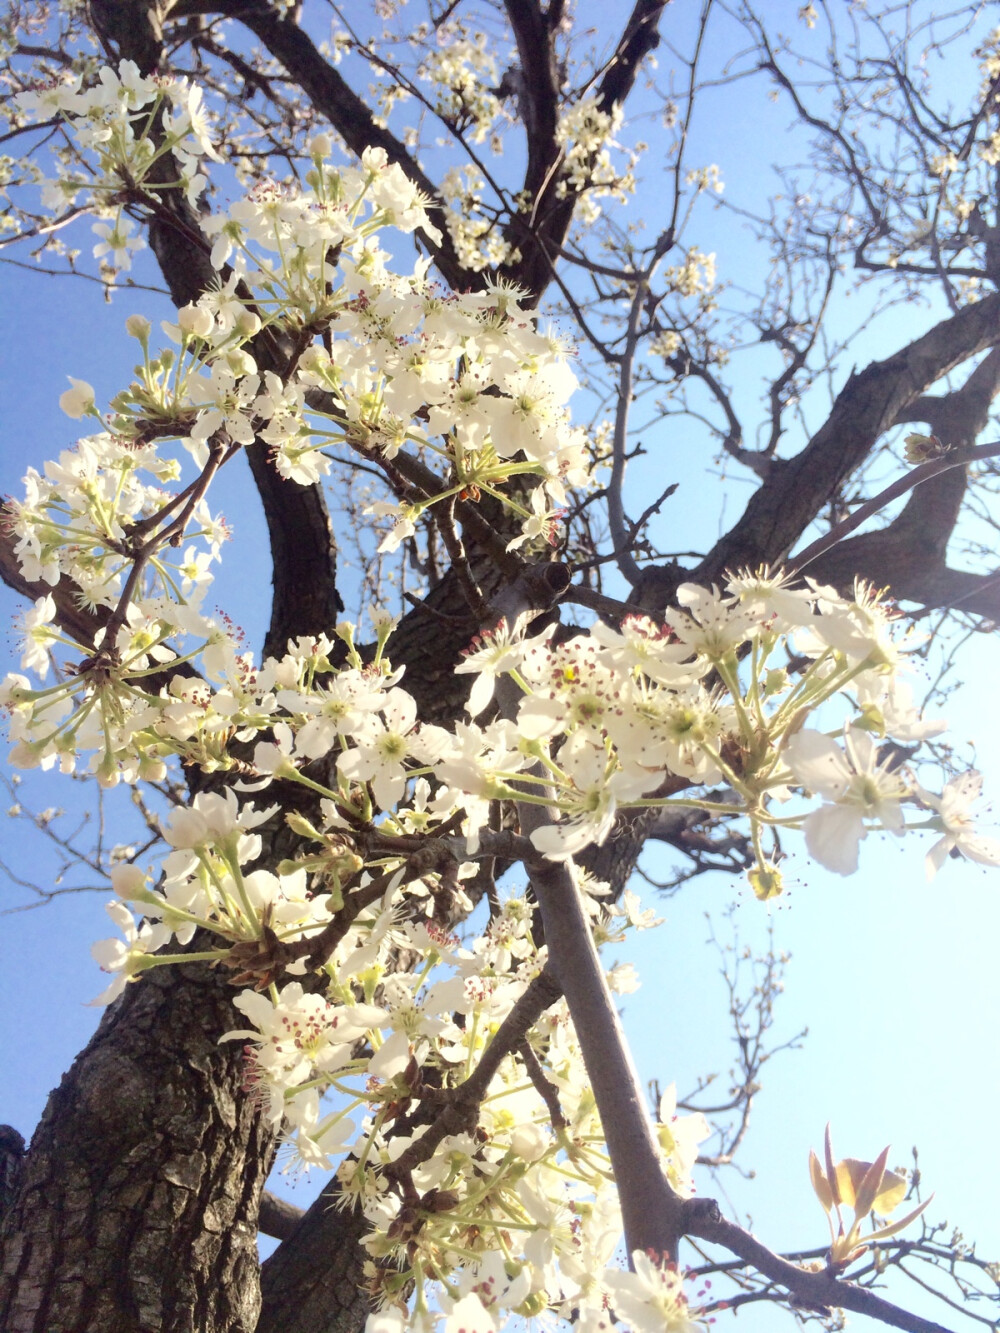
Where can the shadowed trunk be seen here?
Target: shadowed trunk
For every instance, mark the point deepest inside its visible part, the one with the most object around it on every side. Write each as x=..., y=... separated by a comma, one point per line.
x=137, y=1208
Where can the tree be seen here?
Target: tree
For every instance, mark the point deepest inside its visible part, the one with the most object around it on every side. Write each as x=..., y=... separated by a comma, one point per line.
x=340, y=821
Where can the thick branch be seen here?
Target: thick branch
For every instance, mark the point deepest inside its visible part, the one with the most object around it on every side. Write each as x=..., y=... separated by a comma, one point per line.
x=538, y=101
x=78, y=623
x=796, y=490
x=334, y=98
x=819, y=1291
x=138, y=1202
x=314, y=1281
x=909, y=554
x=278, y=1217
x=921, y=475
x=303, y=559
x=541, y=240
x=651, y=1210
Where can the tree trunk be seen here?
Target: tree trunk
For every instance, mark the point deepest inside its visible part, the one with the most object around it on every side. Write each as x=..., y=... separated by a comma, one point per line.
x=312, y=1282
x=137, y=1206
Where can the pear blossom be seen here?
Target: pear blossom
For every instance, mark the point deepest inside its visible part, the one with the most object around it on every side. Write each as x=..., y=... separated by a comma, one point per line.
x=854, y=784
x=311, y=1137
x=650, y=1299
x=607, y=718
x=710, y=625
x=213, y=817
x=117, y=242
x=591, y=805
x=126, y=957
x=79, y=400
x=380, y=756
x=298, y=1032
x=953, y=806
x=679, y=1137
x=229, y=401
x=491, y=654
x=38, y=635
x=469, y=1316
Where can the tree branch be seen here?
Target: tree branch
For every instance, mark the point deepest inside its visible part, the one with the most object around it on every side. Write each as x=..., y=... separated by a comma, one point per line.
x=542, y=238
x=796, y=490
x=816, y=1290
x=334, y=98
x=278, y=1217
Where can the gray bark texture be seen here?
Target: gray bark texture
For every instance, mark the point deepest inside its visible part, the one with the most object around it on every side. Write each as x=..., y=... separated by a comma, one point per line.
x=137, y=1207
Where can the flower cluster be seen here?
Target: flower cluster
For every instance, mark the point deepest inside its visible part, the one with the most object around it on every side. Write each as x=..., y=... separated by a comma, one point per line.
x=621, y=717
x=370, y=1067
x=461, y=68
x=114, y=160
x=584, y=133
x=466, y=381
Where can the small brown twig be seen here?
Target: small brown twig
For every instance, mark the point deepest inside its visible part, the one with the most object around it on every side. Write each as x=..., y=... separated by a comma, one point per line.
x=453, y=1108
x=460, y=561
x=545, y=1089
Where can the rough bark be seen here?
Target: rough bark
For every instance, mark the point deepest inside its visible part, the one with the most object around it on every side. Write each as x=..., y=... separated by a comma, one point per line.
x=138, y=1199
x=137, y=1208
x=313, y=1281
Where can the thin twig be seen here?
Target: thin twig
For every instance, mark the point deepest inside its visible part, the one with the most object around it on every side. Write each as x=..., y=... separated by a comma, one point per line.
x=954, y=458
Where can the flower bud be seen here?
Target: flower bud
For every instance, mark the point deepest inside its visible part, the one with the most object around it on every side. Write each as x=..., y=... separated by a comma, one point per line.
x=128, y=881
x=534, y=1305
x=247, y=323
x=195, y=321
x=152, y=770
x=320, y=146
x=529, y=1142
x=138, y=326
x=374, y=159
x=107, y=772
x=315, y=359
x=240, y=362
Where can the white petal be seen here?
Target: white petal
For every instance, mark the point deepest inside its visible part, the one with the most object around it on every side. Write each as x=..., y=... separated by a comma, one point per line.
x=818, y=762
x=833, y=833
x=977, y=848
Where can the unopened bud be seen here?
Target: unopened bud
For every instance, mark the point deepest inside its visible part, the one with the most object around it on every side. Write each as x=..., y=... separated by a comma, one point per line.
x=128, y=881
x=529, y=1142
x=240, y=362
x=247, y=323
x=138, y=326
x=152, y=770
x=195, y=321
